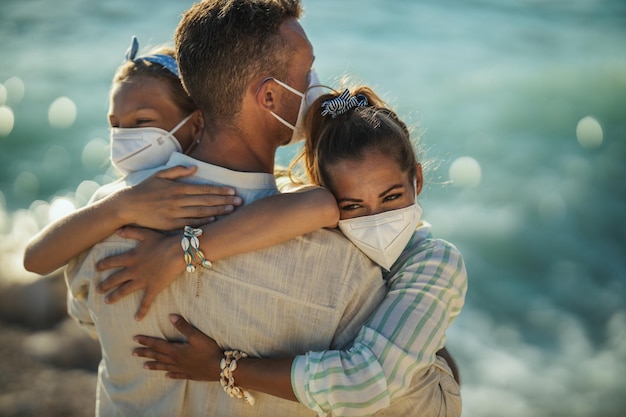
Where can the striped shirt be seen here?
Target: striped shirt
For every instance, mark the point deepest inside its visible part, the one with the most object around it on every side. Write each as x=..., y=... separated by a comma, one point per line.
x=396, y=349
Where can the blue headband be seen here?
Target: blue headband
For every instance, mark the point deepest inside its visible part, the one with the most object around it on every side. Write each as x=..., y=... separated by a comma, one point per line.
x=166, y=61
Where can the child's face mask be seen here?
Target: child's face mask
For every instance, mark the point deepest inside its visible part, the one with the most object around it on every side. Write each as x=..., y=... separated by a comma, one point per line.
x=139, y=148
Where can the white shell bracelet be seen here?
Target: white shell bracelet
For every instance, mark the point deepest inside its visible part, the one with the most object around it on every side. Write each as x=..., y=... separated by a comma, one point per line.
x=191, y=249
x=228, y=364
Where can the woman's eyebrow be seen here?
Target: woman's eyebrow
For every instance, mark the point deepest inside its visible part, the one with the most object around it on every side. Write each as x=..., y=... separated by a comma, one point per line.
x=393, y=187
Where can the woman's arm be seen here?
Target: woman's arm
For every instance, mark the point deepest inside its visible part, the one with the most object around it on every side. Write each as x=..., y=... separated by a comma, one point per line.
x=399, y=341
x=199, y=359
x=158, y=260
x=158, y=202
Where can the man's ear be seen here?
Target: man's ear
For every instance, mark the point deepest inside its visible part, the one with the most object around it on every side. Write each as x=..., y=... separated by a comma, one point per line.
x=419, y=179
x=267, y=94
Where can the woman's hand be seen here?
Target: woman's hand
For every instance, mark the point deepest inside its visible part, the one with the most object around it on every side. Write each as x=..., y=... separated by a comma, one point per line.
x=197, y=359
x=152, y=265
x=162, y=203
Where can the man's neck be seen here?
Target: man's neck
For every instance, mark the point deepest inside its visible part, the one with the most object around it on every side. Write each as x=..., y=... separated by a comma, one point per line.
x=233, y=152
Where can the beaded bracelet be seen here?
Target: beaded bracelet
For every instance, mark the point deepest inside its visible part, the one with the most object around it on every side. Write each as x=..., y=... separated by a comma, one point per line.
x=228, y=364
x=191, y=249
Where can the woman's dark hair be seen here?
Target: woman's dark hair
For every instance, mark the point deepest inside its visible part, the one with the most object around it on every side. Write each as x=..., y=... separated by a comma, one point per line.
x=348, y=136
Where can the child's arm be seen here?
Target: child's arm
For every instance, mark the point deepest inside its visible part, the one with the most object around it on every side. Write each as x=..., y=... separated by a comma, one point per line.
x=157, y=202
x=158, y=260
x=64, y=239
x=270, y=221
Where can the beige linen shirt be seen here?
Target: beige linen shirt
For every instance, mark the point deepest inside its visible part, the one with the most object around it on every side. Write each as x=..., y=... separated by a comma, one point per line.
x=311, y=293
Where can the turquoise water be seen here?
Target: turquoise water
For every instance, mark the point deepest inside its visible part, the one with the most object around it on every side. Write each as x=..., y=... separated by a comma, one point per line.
x=521, y=105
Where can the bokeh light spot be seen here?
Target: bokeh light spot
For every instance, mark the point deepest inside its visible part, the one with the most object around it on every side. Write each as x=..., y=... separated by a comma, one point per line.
x=15, y=90
x=84, y=191
x=589, y=133
x=465, y=172
x=60, y=207
x=95, y=154
x=3, y=94
x=40, y=210
x=62, y=113
x=7, y=120
x=4, y=219
x=26, y=185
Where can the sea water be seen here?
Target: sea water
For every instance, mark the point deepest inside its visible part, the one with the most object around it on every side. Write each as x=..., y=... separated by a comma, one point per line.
x=520, y=106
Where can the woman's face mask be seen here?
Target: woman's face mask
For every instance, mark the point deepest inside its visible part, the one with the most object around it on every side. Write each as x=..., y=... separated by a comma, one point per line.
x=139, y=148
x=383, y=236
x=378, y=204
x=313, y=92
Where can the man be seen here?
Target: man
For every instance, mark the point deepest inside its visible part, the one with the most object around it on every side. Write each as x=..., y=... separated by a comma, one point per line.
x=313, y=292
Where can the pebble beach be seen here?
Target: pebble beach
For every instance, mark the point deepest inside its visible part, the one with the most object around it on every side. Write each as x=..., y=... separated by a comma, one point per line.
x=47, y=363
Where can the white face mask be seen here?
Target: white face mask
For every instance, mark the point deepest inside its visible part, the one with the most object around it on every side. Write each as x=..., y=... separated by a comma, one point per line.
x=138, y=148
x=312, y=93
x=383, y=236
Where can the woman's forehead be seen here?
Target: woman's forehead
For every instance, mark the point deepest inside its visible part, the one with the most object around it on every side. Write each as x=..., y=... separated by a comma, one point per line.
x=374, y=171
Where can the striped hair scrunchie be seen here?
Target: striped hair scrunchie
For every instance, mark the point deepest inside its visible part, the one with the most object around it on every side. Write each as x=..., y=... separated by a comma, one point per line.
x=342, y=103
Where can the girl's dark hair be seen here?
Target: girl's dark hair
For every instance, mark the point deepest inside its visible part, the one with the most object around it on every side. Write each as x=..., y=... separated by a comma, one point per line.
x=134, y=70
x=350, y=135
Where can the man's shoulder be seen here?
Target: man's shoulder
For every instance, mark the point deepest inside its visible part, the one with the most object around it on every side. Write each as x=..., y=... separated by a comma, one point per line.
x=332, y=241
x=323, y=253
x=131, y=179
x=327, y=250
x=333, y=235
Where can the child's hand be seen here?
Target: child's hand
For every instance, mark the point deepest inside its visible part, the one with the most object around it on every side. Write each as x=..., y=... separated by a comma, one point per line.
x=155, y=263
x=197, y=359
x=160, y=202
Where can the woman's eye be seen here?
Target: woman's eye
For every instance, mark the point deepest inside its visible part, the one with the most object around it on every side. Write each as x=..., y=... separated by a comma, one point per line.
x=392, y=197
x=351, y=207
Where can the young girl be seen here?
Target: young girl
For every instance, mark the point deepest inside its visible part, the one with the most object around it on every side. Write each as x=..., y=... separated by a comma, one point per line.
x=151, y=116
x=359, y=150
